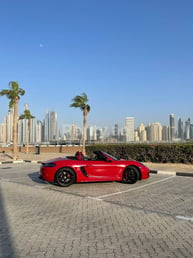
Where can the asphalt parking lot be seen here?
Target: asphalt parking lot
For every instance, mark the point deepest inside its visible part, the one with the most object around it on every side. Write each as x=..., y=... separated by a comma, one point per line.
x=152, y=218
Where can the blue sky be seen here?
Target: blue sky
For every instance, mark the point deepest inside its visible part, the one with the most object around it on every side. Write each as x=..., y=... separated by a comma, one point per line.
x=131, y=58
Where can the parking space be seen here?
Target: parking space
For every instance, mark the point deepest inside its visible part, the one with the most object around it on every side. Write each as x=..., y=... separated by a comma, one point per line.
x=152, y=218
x=165, y=194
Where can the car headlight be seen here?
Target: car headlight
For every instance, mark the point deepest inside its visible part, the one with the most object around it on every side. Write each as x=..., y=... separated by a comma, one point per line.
x=48, y=164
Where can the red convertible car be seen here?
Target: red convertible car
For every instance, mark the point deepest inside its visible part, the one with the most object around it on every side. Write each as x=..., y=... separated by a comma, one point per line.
x=67, y=170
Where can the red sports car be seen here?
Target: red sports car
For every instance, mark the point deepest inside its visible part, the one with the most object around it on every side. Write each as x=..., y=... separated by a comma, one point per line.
x=67, y=170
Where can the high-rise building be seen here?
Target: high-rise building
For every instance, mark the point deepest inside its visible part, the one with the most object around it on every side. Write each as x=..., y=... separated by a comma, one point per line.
x=129, y=129
x=3, y=133
x=100, y=135
x=23, y=129
x=172, y=127
x=142, y=133
x=33, y=128
x=147, y=129
x=136, y=136
x=53, y=126
x=23, y=125
x=9, y=127
x=187, y=129
x=73, y=133
x=155, y=132
x=21, y=134
x=50, y=126
x=191, y=131
x=180, y=129
x=165, y=133
x=90, y=134
x=39, y=132
x=46, y=127
x=116, y=131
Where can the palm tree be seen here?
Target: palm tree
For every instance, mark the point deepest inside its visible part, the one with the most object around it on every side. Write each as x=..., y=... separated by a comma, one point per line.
x=81, y=102
x=28, y=116
x=13, y=94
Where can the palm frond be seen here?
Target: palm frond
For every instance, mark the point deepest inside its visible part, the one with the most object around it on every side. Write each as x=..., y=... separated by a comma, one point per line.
x=4, y=92
x=85, y=107
x=79, y=101
x=13, y=85
x=26, y=115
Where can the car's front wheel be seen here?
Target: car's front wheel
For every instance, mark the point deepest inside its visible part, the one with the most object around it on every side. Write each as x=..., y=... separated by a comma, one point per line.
x=65, y=177
x=130, y=175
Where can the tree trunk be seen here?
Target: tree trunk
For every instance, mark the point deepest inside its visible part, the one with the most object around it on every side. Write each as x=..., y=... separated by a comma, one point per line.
x=84, y=133
x=15, y=118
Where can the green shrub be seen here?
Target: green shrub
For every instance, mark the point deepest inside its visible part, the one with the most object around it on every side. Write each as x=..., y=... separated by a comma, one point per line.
x=162, y=153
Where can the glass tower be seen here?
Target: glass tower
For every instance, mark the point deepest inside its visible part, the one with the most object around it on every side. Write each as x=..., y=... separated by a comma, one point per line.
x=172, y=127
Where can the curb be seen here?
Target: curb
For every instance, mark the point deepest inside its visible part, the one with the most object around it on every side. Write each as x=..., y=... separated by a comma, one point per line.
x=162, y=172
x=32, y=161
x=8, y=162
x=20, y=161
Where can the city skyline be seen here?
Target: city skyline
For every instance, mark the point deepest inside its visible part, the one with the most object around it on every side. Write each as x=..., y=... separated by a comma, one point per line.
x=131, y=58
x=47, y=131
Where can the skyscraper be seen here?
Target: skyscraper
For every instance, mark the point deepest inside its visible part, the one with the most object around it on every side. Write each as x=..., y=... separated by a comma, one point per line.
x=180, y=129
x=3, y=133
x=39, y=135
x=50, y=126
x=142, y=133
x=9, y=127
x=165, y=133
x=191, y=131
x=90, y=134
x=187, y=129
x=172, y=127
x=23, y=126
x=155, y=132
x=116, y=131
x=100, y=135
x=129, y=129
x=74, y=132
x=53, y=126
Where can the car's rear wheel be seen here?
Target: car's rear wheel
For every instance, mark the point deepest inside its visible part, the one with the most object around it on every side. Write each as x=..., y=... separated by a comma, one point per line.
x=130, y=175
x=65, y=177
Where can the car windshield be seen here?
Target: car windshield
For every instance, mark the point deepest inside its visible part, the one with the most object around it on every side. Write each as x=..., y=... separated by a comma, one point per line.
x=112, y=157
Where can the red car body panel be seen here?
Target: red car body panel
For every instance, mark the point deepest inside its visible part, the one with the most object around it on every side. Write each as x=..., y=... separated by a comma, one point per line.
x=87, y=170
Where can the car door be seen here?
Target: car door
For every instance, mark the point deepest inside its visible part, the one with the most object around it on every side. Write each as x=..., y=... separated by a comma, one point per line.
x=101, y=170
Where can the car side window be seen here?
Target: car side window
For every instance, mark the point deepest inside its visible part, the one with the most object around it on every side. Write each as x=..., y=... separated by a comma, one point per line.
x=100, y=158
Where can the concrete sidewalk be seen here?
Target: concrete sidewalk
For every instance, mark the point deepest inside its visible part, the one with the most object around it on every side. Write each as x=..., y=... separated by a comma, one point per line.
x=31, y=157
x=179, y=168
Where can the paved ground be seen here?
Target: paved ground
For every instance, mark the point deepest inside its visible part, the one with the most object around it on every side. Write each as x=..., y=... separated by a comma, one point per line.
x=152, y=218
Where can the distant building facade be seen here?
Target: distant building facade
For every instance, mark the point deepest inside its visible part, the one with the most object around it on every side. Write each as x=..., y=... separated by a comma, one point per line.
x=50, y=126
x=172, y=127
x=129, y=129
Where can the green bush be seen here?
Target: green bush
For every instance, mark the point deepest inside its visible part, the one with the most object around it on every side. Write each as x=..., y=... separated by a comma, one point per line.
x=162, y=153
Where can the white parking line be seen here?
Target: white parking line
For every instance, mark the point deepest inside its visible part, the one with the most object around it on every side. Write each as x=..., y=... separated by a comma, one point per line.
x=129, y=190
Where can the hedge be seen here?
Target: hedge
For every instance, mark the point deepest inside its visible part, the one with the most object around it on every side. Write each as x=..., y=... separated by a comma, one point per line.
x=162, y=153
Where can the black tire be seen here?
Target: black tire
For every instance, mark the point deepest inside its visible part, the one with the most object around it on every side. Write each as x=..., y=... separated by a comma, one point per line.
x=130, y=175
x=65, y=177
